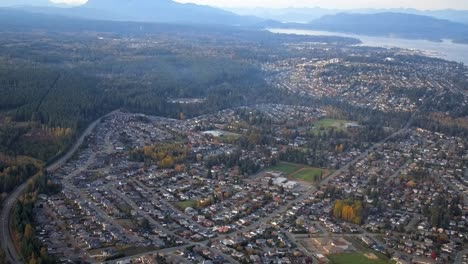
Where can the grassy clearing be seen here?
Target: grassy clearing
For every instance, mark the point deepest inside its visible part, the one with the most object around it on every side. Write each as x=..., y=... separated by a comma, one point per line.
x=229, y=138
x=185, y=204
x=355, y=258
x=310, y=175
x=287, y=168
x=301, y=172
x=363, y=249
x=328, y=123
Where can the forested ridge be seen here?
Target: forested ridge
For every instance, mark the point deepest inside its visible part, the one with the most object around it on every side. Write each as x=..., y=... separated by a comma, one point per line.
x=46, y=103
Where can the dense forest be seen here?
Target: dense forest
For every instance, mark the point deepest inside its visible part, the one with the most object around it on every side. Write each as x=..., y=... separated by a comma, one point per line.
x=23, y=221
x=43, y=107
x=14, y=171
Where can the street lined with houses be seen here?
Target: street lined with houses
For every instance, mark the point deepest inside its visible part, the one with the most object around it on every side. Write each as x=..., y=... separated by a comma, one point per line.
x=190, y=205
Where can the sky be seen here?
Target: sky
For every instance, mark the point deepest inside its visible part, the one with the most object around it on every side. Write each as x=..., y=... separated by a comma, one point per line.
x=70, y=2
x=339, y=4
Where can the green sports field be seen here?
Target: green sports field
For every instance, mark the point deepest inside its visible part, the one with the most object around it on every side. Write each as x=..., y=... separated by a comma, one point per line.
x=301, y=172
x=287, y=168
x=328, y=123
x=308, y=174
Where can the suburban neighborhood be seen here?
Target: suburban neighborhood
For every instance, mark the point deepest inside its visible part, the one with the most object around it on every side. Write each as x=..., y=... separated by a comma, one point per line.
x=128, y=197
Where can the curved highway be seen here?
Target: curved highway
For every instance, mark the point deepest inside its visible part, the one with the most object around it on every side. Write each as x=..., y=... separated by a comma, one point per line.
x=7, y=242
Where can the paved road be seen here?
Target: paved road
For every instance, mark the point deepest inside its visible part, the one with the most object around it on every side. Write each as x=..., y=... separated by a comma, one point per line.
x=103, y=215
x=7, y=243
x=377, y=145
x=98, y=211
x=158, y=225
x=147, y=192
x=299, y=245
x=361, y=156
x=397, y=173
x=162, y=251
x=10, y=202
x=150, y=219
x=301, y=197
x=453, y=187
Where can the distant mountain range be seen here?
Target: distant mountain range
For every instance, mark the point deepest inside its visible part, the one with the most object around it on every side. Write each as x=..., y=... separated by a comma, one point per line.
x=165, y=11
x=399, y=25
x=305, y=15
x=403, y=25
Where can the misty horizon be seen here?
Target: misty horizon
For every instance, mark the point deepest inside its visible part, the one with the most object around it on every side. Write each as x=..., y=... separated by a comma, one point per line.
x=284, y=4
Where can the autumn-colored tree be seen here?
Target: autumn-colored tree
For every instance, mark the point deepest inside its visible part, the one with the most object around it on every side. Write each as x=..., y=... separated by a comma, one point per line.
x=300, y=221
x=348, y=210
x=28, y=232
x=337, y=209
x=147, y=150
x=358, y=212
x=33, y=259
x=339, y=148
x=167, y=162
x=180, y=168
x=203, y=202
x=165, y=155
x=348, y=213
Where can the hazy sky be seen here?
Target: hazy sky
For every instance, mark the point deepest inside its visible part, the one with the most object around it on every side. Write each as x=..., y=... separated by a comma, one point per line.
x=71, y=2
x=419, y=4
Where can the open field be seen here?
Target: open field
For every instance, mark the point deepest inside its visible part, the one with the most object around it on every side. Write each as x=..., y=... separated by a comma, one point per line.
x=310, y=175
x=301, y=172
x=287, y=168
x=326, y=124
x=356, y=258
x=184, y=204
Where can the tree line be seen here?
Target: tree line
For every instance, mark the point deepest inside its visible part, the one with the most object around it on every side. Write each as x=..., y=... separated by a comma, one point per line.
x=16, y=170
x=23, y=220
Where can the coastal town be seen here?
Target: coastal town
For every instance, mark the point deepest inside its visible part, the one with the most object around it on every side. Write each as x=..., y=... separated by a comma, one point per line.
x=219, y=189
x=384, y=79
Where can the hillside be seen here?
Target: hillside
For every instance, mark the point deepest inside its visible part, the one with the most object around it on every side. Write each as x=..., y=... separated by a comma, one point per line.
x=308, y=14
x=163, y=11
x=391, y=24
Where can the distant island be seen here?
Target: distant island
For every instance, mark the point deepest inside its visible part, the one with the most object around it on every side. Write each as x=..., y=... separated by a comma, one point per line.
x=407, y=26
